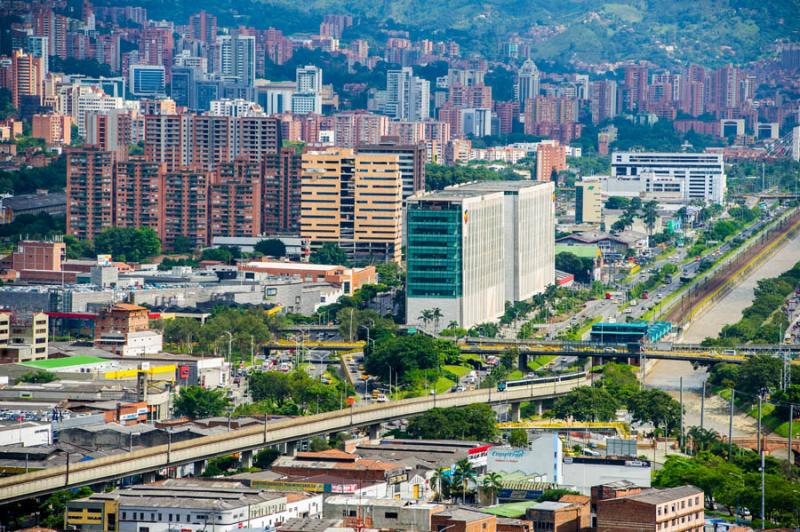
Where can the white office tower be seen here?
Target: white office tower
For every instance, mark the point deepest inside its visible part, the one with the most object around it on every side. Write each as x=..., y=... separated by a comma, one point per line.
x=308, y=90
x=529, y=233
x=680, y=177
x=796, y=143
x=308, y=79
x=527, y=82
x=471, y=248
x=237, y=57
x=407, y=96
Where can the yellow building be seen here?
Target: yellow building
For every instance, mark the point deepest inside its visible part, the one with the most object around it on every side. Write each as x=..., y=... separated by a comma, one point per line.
x=97, y=513
x=353, y=200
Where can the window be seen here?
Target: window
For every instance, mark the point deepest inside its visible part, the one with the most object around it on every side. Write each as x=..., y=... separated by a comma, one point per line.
x=390, y=515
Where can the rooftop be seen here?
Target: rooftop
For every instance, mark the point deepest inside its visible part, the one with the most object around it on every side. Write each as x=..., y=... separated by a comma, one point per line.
x=550, y=506
x=55, y=363
x=659, y=496
x=299, y=266
x=35, y=201
x=511, y=509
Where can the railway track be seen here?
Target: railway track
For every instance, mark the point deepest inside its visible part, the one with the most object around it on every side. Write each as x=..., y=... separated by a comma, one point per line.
x=691, y=303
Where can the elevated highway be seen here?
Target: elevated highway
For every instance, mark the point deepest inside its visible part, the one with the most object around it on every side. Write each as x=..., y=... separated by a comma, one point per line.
x=109, y=468
x=491, y=346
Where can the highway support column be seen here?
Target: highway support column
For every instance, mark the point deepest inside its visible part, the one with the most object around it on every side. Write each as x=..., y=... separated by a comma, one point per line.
x=515, y=412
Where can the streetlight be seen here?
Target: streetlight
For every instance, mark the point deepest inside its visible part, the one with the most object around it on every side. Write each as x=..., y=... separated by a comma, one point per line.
x=230, y=343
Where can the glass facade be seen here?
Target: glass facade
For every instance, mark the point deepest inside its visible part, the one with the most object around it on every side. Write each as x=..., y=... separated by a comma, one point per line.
x=434, y=255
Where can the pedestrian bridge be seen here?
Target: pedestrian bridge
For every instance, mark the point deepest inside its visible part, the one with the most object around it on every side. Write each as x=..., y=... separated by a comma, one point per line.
x=251, y=438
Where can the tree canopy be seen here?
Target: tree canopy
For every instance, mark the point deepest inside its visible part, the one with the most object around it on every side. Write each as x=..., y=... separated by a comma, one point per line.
x=472, y=422
x=271, y=247
x=128, y=244
x=198, y=402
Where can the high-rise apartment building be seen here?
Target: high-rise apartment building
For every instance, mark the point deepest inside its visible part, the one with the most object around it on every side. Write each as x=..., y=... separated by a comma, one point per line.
x=203, y=26
x=203, y=141
x=53, y=128
x=527, y=87
x=354, y=200
x=603, y=96
x=139, y=194
x=281, y=192
x=407, y=96
x=237, y=57
x=27, y=84
x=308, y=90
x=235, y=199
x=186, y=209
x=411, y=159
x=90, y=191
x=634, y=95
x=354, y=128
x=551, y=157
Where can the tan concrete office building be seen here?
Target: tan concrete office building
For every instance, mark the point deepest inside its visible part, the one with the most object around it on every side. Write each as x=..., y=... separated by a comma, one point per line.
x=353, y=200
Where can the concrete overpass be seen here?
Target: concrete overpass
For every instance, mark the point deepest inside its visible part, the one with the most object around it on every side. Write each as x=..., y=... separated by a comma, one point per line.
x=246, y=440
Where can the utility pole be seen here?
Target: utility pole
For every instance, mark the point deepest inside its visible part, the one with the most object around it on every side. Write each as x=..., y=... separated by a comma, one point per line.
x=791, y=428
x=761, y=452
x=758, y=429
x=703, y=404
x=681, y=397
x=730, y=428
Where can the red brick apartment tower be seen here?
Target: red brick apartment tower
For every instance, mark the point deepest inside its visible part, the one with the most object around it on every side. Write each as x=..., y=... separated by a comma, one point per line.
x=186, y=207
x=281, y=192
x=90, y=191
x=235, y=199
x=140, y=194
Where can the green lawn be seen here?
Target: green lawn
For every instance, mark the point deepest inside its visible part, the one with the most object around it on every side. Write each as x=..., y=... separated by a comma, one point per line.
x=458, y=371
x=443, y=385
x=515, y=375
x=540, y=361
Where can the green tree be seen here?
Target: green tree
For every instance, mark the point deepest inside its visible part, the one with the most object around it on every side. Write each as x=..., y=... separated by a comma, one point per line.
x=329, y=253
x=757, y=372
x=53, y=508
x=128, y=244
x=586, y=403
x=264, y=458
x=197, y=402
x=475, y=421
x=318, y=444
x=37, y=377
x=650, y=215
x=389, y=274
x=182, y=332
x=271, y=247
x=656, y=407
x=440, y=482
x=555, y=494
x=463, y=475
x=518, y=438
x=492, y=483
x=408, y=356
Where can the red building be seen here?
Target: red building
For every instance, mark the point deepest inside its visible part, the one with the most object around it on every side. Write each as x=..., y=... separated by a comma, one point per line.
x=90, y=191
x=186, y=208
x=139, y=194
x=235, y=200
x=281, y=192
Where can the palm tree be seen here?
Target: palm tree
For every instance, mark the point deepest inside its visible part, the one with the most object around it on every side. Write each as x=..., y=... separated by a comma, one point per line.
x=436, y=315
x=463, y=475
x=440, y=481
x=425, y=316
x=702, y=438
x=452, y=325
x=649, y=215
x=492, y=483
